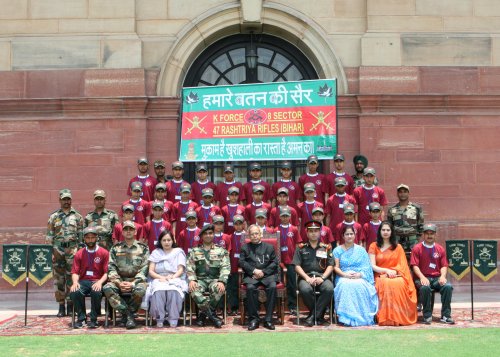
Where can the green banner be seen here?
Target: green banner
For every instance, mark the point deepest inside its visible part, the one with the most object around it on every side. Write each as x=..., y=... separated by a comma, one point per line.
x=485, y=259
x=457, y=252
x=14, y=263
x=40, y=260
x=264, y=121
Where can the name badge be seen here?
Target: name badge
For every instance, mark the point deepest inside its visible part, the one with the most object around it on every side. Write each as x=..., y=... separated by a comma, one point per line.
x=202, y=202
x=236, y=255
x=177, y=197
x=230, y=224
x=284, y=249
x=368, y=207
x=183, y=219
x=321, y=254
x=155, y=242
x=190, y=249
x=432, y=265
x=206, y=224
x=341, y=205
x=227, y=199
x=89, y=273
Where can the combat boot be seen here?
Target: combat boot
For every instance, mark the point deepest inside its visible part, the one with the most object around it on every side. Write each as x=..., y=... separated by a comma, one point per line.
x=200, y=320
x=130, y=321
x=62, y=311
x=215, y=320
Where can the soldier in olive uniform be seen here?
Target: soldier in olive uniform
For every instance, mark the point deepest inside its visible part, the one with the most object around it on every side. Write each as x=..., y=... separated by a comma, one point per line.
x=127, y=272
x=407, y=218
x=64, y=233
x=314, y=264
x=103, y=219
x=208, y=269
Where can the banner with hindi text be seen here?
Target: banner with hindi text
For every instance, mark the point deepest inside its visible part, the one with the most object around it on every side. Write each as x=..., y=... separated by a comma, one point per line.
x=14, y=263
x=485, y=259
x=265, y=121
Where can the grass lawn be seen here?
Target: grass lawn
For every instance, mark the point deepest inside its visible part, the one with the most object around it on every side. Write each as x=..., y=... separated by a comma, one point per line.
x=480, y=342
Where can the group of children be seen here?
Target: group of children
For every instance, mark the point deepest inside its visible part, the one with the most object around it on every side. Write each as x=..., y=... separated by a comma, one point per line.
x=157, y=204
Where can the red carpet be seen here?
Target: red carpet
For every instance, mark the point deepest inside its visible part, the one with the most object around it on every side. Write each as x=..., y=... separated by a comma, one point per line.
x=51, y=325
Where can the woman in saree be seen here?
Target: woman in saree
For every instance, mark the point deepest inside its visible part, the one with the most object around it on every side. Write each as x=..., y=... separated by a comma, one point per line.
x=396, y=291
x=356, y=301
x=167, y=265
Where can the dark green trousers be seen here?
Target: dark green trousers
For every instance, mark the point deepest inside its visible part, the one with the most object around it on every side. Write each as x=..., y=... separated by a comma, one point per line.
x=425, y=296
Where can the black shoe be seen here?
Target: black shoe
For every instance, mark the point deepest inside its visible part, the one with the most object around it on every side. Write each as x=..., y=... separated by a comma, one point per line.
x=62, y=311
x=79, y=324
x=92, y=324
x=233, y=312
x=293, y=312
x=309, y=321
x=130, y=322
x=269, y=325
x=215, y=320
x=200, y=320
x=252, y=325
x=320, y=321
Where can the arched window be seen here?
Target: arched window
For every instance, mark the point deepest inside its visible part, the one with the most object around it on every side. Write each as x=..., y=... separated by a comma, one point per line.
x=226, y=62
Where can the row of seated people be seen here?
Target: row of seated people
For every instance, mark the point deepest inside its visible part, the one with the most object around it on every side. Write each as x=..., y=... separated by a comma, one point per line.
x=367, y=284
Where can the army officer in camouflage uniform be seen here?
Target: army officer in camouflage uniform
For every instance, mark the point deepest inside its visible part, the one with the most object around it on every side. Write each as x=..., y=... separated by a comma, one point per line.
x=64, y=233
x=407, y=218
x=127, y=272
x=208, y=269
x=103, y=219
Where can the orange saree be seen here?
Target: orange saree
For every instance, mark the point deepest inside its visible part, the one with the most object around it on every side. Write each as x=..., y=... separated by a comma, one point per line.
x=397, y=296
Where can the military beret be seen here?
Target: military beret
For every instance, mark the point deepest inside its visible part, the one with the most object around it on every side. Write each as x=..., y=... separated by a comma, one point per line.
x=340, y=181
x=313, y=225
x=338, y=157
x=99, y=193
x=308, y=187
x=88, y=230
x=285, y=211
x=205, y=228
x=430, y=227
x=312, y=158
x=128, y=224
x=65, y=193
x=159, y=163
x=207, y=192
x=258, y=188
x=349, y=208
x=261, y=212
x=233, y=189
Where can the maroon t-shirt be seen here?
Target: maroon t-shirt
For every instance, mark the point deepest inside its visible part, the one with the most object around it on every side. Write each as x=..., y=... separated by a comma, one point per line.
x=305, y=213
x=429, y=260
x=90, y=266
x=274, y=217
x=179, y=215
x=188, y=238
x=221, y=192
x=248, y=188
x=234, y=254
x=153, y=229
x=369, y=233
x=223, y=240
x=250, y=211
x=289, y=238
x=205, y=214
x=228, y=212
x=357, y=232
x=142, y=210
x=330, y=179
x=320, y=184
x=294, y=191
x=335, y=208
x=364, y=197
x=118, y=232
x=174, y=190
x=148, y=187
x=197, y=187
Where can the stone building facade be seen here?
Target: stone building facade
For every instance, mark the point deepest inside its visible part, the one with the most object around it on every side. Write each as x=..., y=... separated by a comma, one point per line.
x=88, y=86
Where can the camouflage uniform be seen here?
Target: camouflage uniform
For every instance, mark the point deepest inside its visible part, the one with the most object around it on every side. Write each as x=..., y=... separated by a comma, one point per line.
x=127, y=264
x=64, y=233
x=207, y=268
x=408, y=223
x=105, y=222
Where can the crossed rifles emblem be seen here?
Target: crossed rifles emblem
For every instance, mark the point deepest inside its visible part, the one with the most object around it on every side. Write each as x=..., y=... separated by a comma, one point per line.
x=320, y=120
x=196, y=124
